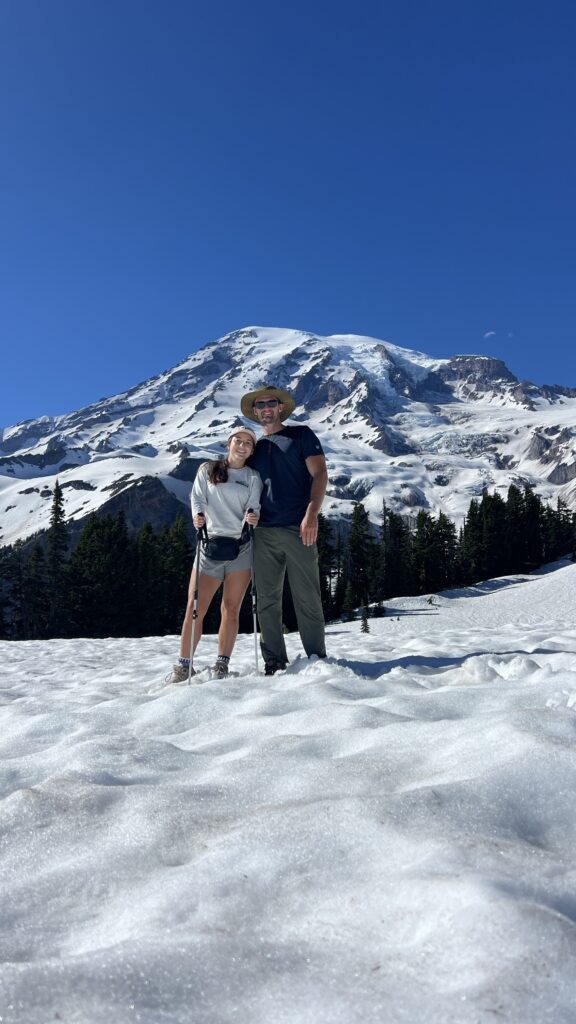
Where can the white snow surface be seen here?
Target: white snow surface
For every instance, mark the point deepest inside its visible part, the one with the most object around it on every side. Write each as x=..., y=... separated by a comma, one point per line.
x=386, y=835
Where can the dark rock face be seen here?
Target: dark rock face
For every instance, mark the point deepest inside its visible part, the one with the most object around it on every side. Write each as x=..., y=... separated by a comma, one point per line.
x=482, y=375
x=477, y=370
x=78, y=485
x=554, y=391
x=555, y=446
x=27, y=433
x=186, y=469
x=539, y=446
x=562, y=474
x=413, y=497
x=57, y=456
x=342, y=486
x=391, y=443
x=432, y=388
x=147, y=501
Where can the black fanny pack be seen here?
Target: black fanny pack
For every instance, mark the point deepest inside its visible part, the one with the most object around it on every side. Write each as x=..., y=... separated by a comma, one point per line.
x=222, y=549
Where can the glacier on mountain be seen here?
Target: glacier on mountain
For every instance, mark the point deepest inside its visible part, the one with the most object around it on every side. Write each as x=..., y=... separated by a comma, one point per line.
x=396, y=425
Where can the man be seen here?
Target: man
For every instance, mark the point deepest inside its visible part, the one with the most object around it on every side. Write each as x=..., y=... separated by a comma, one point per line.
x=292, y=466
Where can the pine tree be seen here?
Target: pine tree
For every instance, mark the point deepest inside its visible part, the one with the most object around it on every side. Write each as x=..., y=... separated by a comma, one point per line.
x=533, y=526
x=424, y=553
x=472, y=547
x=349, y=604
x=57, y=546
x=359, y=554
x=446, y=553
x=178, y=557
x=101, y=577
x=365, y=626
x=514, y=536
x=3, y=595
x=340, y=576
x=557, y=531
x=325, y=564
x=377, y=568
x=150, y=580
x=493, y=512
x=11, y=590
x=35, y=595
x=396, y=557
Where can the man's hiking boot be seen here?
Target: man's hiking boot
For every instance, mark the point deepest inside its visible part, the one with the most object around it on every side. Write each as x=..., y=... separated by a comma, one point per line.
x=179, y=674
x=272, y=666
x=220, y=669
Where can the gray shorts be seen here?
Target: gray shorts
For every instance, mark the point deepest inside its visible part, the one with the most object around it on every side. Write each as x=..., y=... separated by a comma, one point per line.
x=218, y=570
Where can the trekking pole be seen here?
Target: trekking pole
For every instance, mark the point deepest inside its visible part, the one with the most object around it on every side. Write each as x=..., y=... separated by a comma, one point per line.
x=201, y=537
x=253, y=591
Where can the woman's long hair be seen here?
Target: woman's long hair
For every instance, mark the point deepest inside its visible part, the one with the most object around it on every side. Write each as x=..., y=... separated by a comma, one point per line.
x=218, y=471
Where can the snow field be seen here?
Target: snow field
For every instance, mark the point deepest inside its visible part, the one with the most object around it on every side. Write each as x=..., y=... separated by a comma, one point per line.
x=383, y=836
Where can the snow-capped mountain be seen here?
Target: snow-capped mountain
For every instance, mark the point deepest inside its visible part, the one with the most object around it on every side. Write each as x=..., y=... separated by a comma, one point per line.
x=395, y=424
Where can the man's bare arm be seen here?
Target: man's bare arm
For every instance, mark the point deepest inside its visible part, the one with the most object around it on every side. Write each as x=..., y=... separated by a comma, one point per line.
x=316, y=465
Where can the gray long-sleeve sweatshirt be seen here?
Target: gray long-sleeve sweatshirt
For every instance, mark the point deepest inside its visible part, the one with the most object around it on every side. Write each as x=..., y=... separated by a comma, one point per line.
x=225, y=505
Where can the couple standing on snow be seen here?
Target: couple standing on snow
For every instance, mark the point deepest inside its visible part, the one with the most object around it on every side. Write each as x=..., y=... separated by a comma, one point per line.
x=277, y=483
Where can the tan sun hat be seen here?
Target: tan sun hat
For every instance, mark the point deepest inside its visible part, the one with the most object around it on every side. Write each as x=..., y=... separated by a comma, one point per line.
x=243, y=430
x=248, y=400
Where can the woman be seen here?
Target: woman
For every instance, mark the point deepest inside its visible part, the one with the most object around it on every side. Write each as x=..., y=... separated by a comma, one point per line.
x=223, y=492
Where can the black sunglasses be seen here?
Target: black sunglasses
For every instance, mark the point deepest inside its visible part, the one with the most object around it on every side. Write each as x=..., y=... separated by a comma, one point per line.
x=266, y=403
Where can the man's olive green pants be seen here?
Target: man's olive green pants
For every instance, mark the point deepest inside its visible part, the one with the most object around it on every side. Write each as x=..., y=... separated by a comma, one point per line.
x=279, y=550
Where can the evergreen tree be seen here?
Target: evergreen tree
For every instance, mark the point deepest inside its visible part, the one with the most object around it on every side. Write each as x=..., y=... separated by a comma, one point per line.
x=533, y=527
x=493, y=512
x=349, y=604
x=446, y=553
x=150, y=580
x=57, y=546
x=11, y=590
x=35, y=595
x=424, y=553
x=557, y=531
x=472, y=546
x=359, y=552
x=396, y=557
x=101, y=576
x=377, y=568
x=3, y=596
x=434, y=552
x=514, y=537
x=325, y=564
x=365, y=626
x=340, y=578
x=178, y=557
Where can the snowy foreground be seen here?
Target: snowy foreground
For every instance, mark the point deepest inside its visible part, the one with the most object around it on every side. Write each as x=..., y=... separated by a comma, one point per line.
x=385, y=836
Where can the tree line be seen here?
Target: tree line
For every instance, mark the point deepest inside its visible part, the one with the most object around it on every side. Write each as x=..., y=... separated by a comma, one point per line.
x=112, y=583
x=427, y=554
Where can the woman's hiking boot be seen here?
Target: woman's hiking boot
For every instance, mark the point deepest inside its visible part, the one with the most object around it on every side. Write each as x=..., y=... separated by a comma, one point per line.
x=220, y=669
x=179, y=674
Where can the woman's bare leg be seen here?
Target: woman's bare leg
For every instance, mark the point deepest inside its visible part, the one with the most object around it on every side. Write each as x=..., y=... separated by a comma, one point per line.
x=235, y=586
x=207, y=587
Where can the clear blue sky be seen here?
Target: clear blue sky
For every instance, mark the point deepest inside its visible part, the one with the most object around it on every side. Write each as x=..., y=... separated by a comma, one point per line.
x=173, y=170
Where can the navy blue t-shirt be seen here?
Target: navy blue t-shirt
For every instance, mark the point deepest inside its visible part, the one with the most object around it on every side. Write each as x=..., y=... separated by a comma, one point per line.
x=280, y=460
